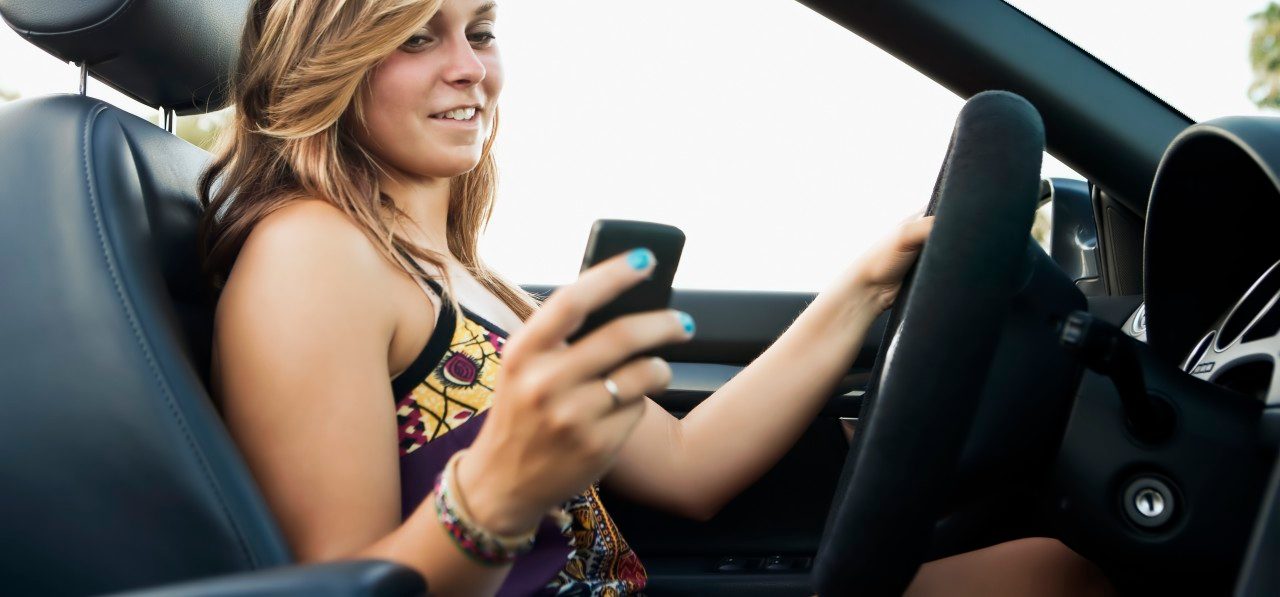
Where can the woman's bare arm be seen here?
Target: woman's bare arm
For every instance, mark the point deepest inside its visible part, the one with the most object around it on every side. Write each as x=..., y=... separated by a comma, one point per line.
x=302, y=335
x=693, y=466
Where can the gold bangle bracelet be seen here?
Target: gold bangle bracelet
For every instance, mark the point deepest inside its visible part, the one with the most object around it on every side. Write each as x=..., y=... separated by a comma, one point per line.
x=458, y=501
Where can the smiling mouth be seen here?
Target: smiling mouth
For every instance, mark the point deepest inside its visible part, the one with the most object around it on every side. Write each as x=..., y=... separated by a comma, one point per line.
x=460, y=114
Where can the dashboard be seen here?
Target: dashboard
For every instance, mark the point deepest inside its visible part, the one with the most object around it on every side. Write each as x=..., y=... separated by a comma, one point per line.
x=1211, y=261
x=1210, y=312
x=1239, y=351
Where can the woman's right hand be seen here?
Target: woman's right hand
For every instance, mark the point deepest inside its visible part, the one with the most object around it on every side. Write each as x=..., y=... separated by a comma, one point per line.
x=553, y=428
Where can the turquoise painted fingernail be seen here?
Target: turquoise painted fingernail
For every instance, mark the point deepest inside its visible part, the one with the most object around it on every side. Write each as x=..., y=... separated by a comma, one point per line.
x=686, y=320
x=640, y=258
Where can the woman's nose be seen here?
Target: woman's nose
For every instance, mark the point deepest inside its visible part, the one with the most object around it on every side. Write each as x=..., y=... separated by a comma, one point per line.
x=465, y=68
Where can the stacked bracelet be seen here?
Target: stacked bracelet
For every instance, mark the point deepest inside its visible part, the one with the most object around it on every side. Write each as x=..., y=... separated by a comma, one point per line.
x=478, y=543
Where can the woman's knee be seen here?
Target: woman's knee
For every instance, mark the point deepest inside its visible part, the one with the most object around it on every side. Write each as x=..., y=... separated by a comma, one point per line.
x=1051, y=568
x=1032, y=566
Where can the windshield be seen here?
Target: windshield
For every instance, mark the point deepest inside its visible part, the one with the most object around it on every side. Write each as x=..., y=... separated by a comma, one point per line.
x=1194, y=55
x=783, y=145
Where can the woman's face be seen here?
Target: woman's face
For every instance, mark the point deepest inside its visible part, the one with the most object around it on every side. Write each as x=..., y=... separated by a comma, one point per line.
x=432, y=101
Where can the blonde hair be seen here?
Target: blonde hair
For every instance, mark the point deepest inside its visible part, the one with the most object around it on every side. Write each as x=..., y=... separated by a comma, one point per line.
x=299, y=89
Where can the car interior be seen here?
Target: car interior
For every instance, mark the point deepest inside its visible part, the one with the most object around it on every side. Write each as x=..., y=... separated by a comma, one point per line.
x=1118, y=392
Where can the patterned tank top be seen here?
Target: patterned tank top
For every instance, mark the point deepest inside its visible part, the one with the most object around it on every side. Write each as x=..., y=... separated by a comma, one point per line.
x=441, y=403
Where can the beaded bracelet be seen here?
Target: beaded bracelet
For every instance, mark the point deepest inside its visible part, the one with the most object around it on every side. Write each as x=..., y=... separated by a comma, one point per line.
x=479, y=544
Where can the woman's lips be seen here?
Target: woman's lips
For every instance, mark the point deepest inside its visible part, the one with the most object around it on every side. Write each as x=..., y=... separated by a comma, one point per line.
x=473, y=122
x=459, y=114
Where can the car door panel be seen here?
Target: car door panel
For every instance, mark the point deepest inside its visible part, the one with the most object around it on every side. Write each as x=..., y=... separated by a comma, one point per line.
x=765, y=538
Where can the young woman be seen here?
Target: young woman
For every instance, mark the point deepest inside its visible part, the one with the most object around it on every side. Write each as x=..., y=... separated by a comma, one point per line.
x=398, y=399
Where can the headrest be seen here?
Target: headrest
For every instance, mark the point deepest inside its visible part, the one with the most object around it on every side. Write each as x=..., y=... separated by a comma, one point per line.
x=175, y=54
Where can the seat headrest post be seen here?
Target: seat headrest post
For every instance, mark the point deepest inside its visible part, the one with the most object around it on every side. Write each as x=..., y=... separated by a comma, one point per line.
x=84, y=78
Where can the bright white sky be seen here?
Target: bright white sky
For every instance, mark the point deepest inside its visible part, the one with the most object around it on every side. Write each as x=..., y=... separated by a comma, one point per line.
x=780, y=143
x=1192, y=53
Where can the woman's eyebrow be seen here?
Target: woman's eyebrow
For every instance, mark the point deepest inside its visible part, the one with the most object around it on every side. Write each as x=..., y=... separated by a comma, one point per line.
x=487, y=7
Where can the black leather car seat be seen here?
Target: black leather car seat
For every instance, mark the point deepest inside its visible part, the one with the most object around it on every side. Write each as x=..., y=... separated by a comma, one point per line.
x=117, y=472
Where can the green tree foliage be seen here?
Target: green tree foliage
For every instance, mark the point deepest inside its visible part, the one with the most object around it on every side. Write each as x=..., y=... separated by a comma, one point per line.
x=1042, y=226
x=201, y=130
x=1264, y=56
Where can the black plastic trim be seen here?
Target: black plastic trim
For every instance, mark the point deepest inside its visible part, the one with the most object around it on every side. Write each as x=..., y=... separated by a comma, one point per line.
x=364, y=578
x=734, y=327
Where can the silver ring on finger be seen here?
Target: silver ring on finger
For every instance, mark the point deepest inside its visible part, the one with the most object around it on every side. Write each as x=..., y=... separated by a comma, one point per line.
x=612, y=388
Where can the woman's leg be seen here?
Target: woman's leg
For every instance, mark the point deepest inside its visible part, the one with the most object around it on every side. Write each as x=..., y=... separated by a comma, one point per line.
x=1036, y=566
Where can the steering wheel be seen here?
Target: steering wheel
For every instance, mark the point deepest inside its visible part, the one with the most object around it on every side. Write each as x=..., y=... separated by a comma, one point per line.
x=940, y=343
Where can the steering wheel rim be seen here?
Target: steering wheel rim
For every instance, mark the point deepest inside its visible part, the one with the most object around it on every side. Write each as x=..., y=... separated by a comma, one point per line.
x=938, y=347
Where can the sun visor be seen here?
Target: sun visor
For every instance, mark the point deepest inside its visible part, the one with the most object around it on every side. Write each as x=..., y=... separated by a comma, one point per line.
x=175, y=54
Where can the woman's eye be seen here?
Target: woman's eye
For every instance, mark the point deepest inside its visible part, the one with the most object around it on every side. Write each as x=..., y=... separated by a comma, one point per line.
x=482, y=39
x=417, y=42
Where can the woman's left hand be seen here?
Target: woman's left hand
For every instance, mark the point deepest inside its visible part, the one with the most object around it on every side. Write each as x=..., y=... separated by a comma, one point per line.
x=880, y=271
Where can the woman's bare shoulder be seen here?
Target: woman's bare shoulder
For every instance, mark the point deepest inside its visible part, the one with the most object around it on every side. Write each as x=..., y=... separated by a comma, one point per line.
x=308, y=255
x=311, y=237
x=308, y=231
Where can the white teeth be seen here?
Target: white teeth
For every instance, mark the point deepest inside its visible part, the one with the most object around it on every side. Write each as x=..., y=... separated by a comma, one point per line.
x=459, y=114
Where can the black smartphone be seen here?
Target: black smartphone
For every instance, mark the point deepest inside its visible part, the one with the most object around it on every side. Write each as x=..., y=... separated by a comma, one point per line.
x=612, y=237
